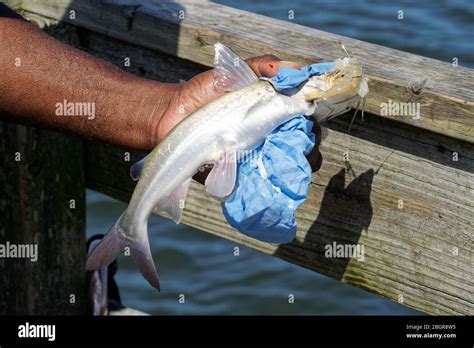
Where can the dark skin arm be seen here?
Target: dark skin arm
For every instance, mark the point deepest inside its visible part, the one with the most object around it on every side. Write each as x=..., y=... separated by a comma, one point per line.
x=37, y=72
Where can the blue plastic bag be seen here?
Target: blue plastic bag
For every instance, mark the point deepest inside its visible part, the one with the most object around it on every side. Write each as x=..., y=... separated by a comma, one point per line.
x=272, y=186
x=290, y=78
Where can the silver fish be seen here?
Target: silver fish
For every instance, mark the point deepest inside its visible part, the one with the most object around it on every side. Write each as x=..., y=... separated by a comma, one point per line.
x=215, y=134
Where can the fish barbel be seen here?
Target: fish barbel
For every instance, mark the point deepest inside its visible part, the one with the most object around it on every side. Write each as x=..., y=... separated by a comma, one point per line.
x=215, y=134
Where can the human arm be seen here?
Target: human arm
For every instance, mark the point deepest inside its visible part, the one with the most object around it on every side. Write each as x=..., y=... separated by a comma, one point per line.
x=38, y=72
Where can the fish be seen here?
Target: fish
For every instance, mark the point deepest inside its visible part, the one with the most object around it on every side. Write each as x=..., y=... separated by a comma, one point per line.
x=334, y=92
x=215, y=134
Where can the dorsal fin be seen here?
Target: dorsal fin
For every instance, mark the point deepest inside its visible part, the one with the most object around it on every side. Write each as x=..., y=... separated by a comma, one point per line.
x=230, y=71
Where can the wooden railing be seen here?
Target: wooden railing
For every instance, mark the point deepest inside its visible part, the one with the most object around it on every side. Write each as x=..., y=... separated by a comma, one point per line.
x=400, y=186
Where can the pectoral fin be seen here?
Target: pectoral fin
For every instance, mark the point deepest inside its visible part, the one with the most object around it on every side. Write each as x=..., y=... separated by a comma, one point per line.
x=173, y=204
x=136, y=169
x=221, y=180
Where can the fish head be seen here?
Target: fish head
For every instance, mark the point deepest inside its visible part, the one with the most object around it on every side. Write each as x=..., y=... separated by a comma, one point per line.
x=344, y=79
x=337, y=90
x=333, y=92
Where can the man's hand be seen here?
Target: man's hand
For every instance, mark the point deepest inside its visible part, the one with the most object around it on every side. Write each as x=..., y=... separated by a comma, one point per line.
x=200, y=90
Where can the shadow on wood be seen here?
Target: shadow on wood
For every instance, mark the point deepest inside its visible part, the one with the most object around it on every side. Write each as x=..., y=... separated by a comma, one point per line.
x=349, y=203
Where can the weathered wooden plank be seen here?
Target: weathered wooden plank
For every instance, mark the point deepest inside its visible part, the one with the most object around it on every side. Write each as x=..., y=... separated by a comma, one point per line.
x=422, y=252
x=42, y=203
x=188, y=29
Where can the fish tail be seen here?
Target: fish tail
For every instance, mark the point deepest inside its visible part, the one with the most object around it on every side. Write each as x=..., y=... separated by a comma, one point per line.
x=115, y=242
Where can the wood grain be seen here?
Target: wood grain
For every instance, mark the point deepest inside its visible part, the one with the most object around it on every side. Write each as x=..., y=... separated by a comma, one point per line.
x=35, y=208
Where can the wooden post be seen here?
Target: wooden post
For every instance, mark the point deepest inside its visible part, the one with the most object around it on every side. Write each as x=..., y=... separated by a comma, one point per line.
x=42, y=203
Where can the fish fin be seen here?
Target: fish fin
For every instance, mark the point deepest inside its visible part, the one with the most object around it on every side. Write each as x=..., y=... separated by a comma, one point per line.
x=141, y=254
x=114, y=242
x=221, y=180
x=136, y=169
x=107, y=250
x=230, y=71
x=173, y=204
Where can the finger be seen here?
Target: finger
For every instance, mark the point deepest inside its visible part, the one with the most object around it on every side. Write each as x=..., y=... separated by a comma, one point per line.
x=290, y=64
x=270, y=68
x=317, y=132
x=200, y=90
x=268, y=65
x=315, y=159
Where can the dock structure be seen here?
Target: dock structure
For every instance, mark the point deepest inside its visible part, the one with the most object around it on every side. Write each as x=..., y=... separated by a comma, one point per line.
x=400, y=186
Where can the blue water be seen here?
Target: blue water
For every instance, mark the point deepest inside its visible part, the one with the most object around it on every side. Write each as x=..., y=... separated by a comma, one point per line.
x=203, y=267
x=438, y=29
